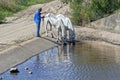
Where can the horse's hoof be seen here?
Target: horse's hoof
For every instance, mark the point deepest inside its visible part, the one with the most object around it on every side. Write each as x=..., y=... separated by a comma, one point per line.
x=73, y=43
x=64, y=44
x=70, y=41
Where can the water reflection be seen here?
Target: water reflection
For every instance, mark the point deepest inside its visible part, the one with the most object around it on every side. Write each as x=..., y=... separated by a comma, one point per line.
x=79, y=62
x=54, y=55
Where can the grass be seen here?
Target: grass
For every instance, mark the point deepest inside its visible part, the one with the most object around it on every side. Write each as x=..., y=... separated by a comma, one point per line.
x=9, y=7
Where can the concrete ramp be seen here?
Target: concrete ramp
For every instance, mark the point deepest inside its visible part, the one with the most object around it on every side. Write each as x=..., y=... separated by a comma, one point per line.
x=21, y=52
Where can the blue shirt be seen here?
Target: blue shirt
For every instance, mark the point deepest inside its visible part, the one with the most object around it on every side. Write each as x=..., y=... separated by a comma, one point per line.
x=37, y=17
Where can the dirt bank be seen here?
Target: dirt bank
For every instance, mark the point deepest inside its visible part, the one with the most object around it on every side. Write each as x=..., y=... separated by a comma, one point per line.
x=84, y=33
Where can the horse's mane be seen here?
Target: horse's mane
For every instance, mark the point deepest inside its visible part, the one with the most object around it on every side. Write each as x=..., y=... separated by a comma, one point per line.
x=51, y=15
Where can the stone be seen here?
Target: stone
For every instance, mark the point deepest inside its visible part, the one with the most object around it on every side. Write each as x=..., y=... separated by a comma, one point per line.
x=14, y=70
x=26, y=68
x=30, y=72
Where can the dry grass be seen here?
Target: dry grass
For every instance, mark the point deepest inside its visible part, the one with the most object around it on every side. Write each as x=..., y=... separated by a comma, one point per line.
x=7, y=3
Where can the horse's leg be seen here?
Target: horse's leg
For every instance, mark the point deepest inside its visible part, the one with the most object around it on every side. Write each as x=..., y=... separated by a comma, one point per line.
x=51, y=30
x=64, y=35
x=46, y=25
x=59, y=34
x=72, y=36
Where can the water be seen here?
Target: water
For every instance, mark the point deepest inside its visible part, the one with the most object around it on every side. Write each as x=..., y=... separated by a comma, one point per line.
x=79, y=62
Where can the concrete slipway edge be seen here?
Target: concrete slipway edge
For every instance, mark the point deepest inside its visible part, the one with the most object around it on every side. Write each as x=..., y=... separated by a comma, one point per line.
x=22, y=52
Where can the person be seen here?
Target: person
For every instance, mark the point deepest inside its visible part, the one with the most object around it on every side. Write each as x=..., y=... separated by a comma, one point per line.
x=37, y=20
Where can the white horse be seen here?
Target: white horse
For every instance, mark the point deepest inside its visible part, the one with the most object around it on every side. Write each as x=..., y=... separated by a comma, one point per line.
x=68, y=27
x=62, y=24
x=55, y=22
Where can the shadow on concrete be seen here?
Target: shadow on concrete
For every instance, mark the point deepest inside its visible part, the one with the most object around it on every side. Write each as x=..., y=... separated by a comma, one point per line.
x=51, y=40
x=59, y=43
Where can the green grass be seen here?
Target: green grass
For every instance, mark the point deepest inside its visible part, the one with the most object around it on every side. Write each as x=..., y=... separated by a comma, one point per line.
x=86, y=12
x=117, y=11
x=8, y=8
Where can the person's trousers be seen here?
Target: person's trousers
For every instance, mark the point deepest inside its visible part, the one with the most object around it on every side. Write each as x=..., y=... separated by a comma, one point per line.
x=38, y=29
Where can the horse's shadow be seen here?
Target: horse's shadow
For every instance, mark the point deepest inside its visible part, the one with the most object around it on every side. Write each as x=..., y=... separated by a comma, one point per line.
x=52, y=40
x=58, y=42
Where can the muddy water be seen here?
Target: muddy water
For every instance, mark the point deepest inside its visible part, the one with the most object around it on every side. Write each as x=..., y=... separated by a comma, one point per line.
x=79, y=62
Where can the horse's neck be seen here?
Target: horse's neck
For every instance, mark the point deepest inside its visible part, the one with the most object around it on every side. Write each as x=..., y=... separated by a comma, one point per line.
x=69, y=24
